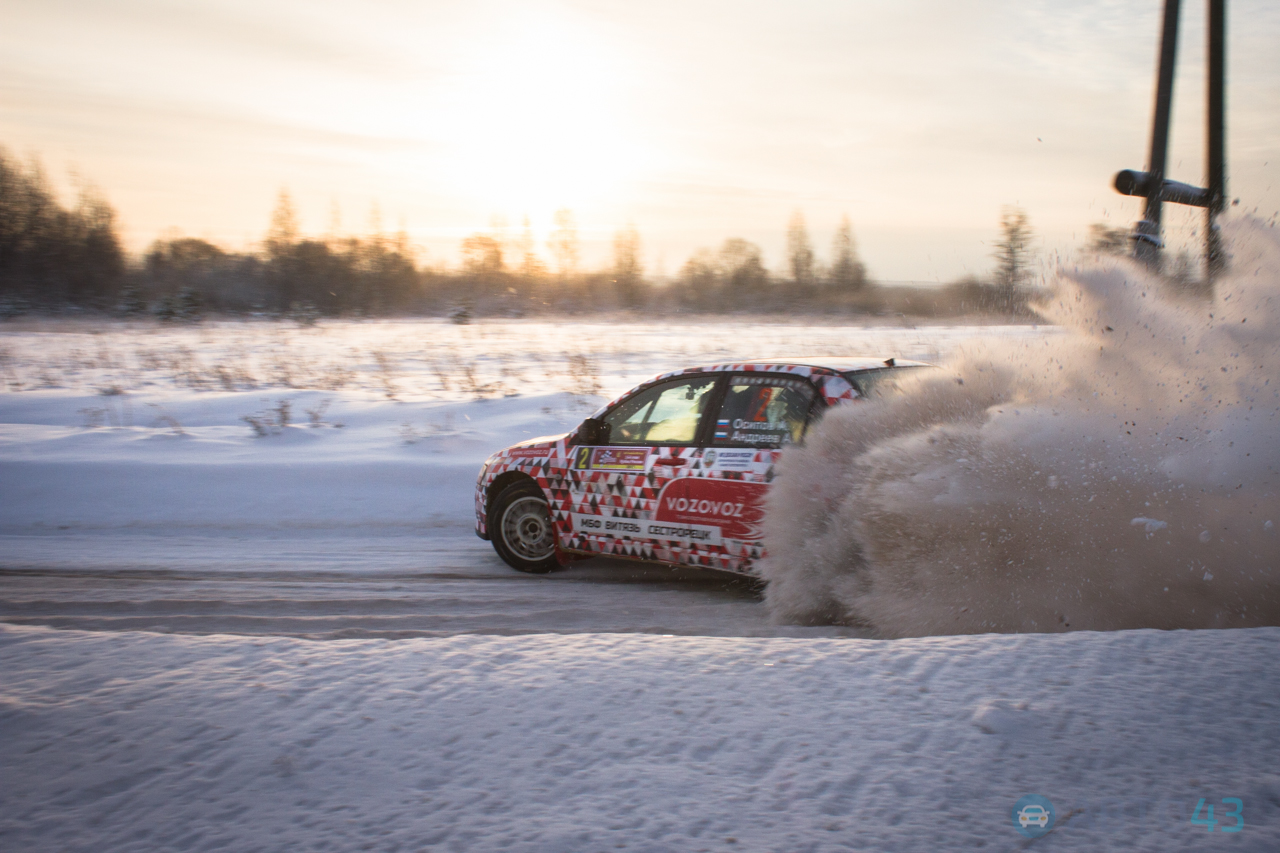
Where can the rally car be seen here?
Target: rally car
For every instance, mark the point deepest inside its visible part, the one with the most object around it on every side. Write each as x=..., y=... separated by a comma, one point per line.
x=674, y=471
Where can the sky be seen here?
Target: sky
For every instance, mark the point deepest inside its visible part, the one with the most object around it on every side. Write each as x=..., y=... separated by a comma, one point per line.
x=694, y=121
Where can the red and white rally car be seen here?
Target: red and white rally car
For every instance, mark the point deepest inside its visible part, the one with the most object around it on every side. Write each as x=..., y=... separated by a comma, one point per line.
x=674, y=471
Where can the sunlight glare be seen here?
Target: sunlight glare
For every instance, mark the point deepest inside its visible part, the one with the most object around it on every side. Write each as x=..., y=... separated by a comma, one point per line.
x=535, y=120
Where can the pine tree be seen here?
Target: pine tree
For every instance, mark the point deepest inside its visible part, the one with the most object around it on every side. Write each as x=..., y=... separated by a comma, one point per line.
x=800, y=250
x=283, y=267
x=847, y=271
x=283, y=233
x=1013, y=257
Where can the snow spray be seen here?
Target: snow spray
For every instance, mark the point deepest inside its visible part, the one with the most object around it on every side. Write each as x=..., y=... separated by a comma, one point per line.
x=1120, y=472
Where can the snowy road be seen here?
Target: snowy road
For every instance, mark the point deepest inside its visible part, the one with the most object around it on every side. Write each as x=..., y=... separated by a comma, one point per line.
x=435, y=584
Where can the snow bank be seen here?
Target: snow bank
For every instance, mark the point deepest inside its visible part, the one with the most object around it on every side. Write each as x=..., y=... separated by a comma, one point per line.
x=367, y=464
x=1125, y=474
x=128, y=741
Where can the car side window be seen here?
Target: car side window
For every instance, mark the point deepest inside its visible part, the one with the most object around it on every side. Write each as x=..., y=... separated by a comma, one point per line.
x=664, y=414
x=763, y=411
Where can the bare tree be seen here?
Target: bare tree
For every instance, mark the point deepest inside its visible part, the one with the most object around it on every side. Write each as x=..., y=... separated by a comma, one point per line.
x=742, y=266
x=628, y=272
x=800, y=250
x=564, y=243
x=531, y=266
x=482, y=255
x=847, y=271
x=700, y=277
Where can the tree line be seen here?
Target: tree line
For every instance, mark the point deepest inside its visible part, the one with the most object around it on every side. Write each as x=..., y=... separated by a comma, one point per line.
x=56, y=258
x=51, y=255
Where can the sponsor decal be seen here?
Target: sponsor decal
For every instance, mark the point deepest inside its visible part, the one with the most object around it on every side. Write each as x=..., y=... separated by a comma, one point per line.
x=686, y=534
x=733, y=506
x=774, y=381
x=619, y=458
x=709, y=459
x=732, y=460
x=643, y=528
x=527, y=452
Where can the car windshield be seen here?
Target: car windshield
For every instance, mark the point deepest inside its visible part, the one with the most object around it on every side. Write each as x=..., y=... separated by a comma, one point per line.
x=664, y=414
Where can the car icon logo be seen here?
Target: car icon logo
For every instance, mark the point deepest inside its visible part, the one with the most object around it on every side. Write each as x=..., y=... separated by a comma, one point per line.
x=1033, y=814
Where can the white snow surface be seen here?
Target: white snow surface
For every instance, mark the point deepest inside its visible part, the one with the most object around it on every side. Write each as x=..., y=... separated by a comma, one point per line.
x=138, y=741
x=211, y=639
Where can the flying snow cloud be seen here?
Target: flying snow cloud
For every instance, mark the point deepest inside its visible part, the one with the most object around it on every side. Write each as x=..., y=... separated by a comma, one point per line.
x=1122, y=474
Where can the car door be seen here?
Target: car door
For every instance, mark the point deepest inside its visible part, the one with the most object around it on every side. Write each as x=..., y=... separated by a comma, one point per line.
x=757, y=416
x=653, y=438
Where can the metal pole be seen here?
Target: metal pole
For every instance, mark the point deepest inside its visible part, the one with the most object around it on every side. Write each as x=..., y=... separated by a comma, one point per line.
x=1216, y=148
x=1147, y=242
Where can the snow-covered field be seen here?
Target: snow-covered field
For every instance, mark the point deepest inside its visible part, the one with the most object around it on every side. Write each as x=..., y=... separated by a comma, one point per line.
x=244, y=609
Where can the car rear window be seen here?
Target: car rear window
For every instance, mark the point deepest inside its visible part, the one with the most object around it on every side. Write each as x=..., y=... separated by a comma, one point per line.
x=873, y=383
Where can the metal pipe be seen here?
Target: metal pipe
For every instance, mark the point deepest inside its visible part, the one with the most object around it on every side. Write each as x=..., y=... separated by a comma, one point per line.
x=1129, y=182
x=1147, y=242
x=1216, y=179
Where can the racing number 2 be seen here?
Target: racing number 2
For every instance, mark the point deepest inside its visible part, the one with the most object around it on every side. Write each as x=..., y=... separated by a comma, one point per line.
x=759, y=412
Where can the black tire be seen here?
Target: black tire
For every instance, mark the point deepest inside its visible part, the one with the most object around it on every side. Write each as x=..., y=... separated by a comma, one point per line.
x=521, y=529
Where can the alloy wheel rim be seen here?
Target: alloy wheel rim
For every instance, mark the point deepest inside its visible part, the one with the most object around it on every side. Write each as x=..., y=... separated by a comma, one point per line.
x=526, y=528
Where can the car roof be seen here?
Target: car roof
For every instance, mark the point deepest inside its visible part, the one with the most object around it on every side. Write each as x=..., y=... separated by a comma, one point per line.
x=856, y=364
x=801, y=366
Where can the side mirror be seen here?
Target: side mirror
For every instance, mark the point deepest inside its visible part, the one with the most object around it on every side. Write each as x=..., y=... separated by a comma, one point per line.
x=592, y=431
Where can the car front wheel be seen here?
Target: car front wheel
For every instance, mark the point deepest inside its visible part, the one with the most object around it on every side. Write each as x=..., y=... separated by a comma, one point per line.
x=522, y=530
